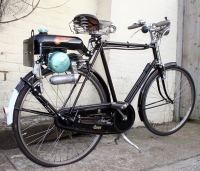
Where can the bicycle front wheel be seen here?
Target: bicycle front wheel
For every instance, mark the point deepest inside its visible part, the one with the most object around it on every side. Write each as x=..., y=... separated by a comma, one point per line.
x=37, y=135
x=168, y=103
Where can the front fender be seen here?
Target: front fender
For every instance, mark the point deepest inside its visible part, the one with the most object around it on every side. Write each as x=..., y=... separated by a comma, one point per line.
x=8, y=111
x=143, y=87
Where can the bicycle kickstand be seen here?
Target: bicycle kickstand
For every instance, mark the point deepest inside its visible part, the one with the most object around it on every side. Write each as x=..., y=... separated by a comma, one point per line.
x=127, y=140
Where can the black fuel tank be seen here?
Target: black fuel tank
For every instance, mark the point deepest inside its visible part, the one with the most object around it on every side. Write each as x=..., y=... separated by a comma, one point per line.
x=44, y=44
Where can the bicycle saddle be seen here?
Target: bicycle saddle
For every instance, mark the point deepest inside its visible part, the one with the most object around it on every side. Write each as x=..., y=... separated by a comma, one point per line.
x=88, y=22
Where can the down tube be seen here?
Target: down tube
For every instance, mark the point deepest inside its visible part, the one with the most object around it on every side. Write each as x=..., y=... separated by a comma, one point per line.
x=139, y=82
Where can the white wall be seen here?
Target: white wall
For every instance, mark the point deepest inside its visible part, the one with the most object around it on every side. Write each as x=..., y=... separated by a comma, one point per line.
x=56, y=20
x=125, y=66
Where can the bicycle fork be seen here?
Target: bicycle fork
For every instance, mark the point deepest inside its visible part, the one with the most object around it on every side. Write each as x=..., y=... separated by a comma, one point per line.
x=162, y=72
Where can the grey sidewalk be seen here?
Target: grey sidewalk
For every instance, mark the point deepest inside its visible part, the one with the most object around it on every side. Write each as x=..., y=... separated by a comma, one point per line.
x=180, y=151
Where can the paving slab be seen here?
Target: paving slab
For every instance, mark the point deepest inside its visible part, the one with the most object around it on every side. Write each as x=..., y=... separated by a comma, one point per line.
x=191, y=164
x=180, y=151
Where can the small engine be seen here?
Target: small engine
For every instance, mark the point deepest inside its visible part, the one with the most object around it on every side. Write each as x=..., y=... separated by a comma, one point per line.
x=76, y=61
x=58, y=62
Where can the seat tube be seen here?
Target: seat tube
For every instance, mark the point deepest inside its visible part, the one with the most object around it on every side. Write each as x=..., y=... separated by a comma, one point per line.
x=105, y=64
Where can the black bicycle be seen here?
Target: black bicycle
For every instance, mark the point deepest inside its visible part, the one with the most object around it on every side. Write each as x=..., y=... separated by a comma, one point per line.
x=64, y=102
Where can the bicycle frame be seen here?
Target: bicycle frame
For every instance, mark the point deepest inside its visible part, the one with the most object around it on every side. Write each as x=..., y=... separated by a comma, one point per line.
x=107, y=107
x=99, y=49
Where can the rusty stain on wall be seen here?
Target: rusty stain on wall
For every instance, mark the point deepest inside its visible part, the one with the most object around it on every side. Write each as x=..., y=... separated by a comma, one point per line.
x=4, y=72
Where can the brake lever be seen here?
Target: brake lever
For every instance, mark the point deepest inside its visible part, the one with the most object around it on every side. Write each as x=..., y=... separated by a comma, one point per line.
x=135, y=33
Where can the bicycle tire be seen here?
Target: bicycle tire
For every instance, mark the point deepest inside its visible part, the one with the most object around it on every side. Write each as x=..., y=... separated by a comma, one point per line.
x=162, y=116
x=38, y=137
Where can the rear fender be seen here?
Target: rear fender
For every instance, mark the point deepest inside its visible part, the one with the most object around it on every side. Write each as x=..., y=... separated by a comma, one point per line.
x=102, y=82
x=104, y=85
x=8, y=111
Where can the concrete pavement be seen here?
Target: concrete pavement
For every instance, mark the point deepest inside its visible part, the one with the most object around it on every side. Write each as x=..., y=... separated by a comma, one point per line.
x=177, y=152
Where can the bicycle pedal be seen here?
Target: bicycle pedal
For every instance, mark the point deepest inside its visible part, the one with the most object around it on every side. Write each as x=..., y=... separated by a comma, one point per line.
x=119, y=105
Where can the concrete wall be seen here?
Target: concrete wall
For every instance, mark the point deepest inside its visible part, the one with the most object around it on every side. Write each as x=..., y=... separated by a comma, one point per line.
x=125, y=66
x=189, y=43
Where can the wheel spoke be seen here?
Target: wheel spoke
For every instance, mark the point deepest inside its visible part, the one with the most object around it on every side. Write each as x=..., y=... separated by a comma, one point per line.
x=156, y=105
x=161, y=116
x=55, y=144
x=36, y=131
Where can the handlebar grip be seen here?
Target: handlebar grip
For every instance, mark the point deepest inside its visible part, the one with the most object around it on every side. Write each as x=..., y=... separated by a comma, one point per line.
x=133, y=26
x=162, y=23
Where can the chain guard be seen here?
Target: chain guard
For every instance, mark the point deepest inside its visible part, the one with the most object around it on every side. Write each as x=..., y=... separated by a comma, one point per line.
x=116, y=124
x=124, y=125
x=86, y=127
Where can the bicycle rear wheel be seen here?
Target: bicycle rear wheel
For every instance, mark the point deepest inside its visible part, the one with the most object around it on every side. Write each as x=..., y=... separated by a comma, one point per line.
x=37, y=135
x=164, y=113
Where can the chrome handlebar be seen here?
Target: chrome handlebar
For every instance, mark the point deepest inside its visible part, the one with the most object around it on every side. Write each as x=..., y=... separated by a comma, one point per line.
x=162, y=25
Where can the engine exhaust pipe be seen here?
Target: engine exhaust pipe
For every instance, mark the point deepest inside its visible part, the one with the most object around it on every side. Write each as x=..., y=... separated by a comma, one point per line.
x=63, y=79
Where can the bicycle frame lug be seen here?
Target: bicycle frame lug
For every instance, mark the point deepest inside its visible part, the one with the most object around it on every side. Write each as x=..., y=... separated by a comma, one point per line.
x=75, y=116
x=61, y=116
x=170, y=101
x=37, y=70
x=119, y=105
x=41, y=87
x=164, y=75
x=161, y=69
